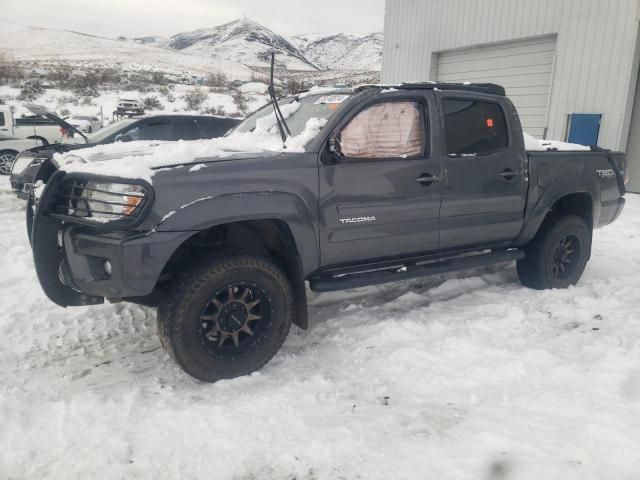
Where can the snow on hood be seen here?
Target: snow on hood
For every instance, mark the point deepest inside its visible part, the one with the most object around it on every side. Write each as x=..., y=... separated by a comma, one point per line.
x=140, y=160
x=534, y=145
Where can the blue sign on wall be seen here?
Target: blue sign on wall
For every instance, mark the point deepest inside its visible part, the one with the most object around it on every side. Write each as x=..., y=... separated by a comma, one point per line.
x=584, y=128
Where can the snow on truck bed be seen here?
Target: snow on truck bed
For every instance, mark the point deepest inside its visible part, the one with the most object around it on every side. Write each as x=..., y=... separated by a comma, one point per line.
x=532, y=144
x=466, y=376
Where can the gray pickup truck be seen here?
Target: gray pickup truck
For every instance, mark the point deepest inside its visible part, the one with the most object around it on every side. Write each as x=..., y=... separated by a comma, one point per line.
x=398, y=183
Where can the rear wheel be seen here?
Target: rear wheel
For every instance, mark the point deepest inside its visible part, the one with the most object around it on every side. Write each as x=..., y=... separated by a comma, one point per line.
x=558, y=255
x=6, y=161
x=226, y=318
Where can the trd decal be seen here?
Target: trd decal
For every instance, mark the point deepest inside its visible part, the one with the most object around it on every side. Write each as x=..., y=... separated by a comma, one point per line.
x=606, y=173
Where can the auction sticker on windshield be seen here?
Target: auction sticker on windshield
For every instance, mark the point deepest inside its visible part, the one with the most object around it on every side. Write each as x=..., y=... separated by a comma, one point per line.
x=331, y=99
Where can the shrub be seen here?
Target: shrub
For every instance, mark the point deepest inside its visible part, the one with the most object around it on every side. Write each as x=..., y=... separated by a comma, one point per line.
x=219, y=111
x=241, y=103
x=152, y=103
x=66, y=100
x=195, y=98
x=158, y=78
x=30, y=91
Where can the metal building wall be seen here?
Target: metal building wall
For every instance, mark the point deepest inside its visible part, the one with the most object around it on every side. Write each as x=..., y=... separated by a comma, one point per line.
x=597, y=50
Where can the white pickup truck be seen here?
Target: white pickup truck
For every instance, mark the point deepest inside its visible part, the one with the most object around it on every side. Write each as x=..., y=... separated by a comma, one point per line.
x=31, y=127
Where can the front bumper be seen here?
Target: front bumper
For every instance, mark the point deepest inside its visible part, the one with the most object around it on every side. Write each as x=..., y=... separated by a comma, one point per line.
x=70, y=258
x=75, y=273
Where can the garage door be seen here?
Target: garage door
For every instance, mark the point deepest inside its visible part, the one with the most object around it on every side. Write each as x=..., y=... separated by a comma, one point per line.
x=524, y=68
x=633, y=146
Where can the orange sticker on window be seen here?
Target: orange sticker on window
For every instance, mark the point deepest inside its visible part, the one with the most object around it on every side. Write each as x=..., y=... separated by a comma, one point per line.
x=490, y=122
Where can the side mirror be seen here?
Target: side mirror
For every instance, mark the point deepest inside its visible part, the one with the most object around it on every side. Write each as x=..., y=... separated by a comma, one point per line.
x=123, y=138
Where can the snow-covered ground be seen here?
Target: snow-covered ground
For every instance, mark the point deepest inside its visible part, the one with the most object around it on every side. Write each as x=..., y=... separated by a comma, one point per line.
x=466, y=376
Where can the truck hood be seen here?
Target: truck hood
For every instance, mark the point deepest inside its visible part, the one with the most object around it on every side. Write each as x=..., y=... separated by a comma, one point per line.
x=141, y=160
x=40, y=110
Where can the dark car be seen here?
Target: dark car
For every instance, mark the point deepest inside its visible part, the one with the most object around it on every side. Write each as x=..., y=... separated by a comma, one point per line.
x=372, y=185
x=157, y=127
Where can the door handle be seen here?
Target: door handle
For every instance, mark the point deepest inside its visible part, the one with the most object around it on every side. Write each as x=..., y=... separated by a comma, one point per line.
x=508, y=174
x=427, y=179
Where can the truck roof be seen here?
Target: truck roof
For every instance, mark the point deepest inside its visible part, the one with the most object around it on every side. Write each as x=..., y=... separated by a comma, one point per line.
x=490, y=88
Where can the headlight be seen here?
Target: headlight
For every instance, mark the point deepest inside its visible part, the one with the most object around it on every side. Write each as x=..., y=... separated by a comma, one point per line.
x=112, y=201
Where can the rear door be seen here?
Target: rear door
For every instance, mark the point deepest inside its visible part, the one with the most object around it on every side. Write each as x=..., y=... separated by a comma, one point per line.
x=380, y=198
x=484, y=192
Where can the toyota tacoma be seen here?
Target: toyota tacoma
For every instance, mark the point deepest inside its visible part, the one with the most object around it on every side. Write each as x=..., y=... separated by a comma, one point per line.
x=368, y=185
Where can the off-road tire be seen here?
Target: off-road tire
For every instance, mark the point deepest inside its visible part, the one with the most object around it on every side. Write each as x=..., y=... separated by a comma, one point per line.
x=535, y=270
x=179, y=315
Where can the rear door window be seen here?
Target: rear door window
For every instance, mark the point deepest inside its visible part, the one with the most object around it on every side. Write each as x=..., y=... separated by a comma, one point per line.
x=474, y=127
x=1, y=119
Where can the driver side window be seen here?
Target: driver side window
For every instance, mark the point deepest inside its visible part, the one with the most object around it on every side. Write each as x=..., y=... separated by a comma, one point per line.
x=385, y=130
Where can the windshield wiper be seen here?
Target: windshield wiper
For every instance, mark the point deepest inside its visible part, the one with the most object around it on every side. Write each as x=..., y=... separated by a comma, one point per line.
x=282, y=125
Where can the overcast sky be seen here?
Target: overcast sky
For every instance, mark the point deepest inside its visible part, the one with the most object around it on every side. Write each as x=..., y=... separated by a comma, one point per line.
x=112, y=18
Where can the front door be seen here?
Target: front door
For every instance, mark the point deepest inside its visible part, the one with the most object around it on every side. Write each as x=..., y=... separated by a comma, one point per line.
x=484, y=192
x=380, y=196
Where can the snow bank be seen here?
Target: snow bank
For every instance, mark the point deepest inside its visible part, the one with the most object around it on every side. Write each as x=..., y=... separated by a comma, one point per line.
x=535, y=145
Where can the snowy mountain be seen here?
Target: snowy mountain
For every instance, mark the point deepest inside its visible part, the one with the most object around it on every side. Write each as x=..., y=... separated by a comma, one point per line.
x=242, y=41
x=342, y=51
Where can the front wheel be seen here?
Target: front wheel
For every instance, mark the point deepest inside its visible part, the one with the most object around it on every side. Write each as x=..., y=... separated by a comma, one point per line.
x=558, y=255
x=226, y=318
x=6, y=161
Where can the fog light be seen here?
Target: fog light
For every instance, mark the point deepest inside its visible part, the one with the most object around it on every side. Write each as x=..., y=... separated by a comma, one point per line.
x=107, y=267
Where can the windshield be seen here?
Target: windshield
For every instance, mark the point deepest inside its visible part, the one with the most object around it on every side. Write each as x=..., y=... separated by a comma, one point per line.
x=296, y=111
x=105, y=132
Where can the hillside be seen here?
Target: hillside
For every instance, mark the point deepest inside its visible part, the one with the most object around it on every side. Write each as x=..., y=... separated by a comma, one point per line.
x=44, y=45
x=342, y=51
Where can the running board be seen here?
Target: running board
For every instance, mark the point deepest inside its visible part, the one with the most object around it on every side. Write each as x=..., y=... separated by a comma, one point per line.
x=345, y=282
